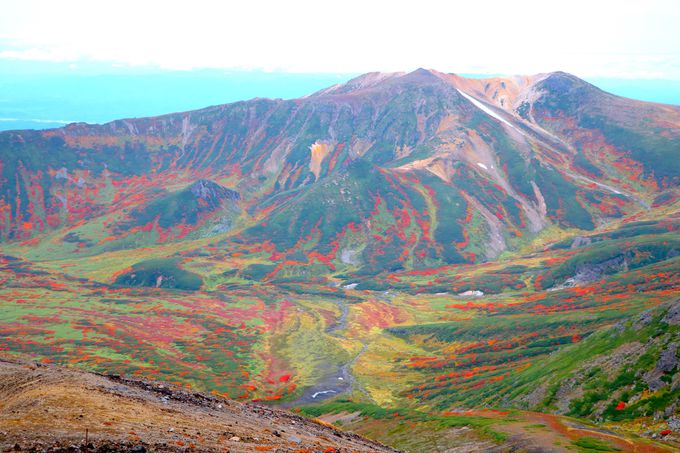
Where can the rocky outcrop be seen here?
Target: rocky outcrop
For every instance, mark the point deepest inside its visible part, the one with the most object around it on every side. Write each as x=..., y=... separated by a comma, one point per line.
x=213, y=193
x=46, y=406
x=667, y=362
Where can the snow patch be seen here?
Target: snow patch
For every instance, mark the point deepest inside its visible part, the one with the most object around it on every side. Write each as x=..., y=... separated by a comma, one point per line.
x=472, y=293
x=482, y=165
x=487, y=110
x=323, y=393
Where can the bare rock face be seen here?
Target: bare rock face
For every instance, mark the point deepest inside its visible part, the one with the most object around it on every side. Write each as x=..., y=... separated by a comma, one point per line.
x=643, y=320
x=673, y=315
x=580, y=241
x=668, y=361
x=591, y=272
x=213, y=193
x=674, y=423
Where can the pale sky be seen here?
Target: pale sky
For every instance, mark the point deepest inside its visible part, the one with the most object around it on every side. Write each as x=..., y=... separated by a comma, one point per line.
x=590, y=38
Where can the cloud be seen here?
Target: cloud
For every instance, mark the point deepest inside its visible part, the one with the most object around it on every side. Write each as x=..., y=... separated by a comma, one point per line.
x=37, y=55
x=589, y=38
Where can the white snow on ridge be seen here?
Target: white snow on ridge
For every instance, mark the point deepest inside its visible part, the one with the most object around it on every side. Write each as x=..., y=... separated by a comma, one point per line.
x=482, y=165
x=486, y=110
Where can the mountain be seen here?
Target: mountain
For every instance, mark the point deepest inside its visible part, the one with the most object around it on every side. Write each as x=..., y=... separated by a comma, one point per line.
x=445, y=169
x=423, y=258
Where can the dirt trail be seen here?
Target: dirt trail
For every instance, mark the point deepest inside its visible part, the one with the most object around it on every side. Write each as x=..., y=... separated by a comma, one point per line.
x=538, y=430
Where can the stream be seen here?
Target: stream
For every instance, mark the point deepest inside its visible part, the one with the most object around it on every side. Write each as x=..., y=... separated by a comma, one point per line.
x=338, y=379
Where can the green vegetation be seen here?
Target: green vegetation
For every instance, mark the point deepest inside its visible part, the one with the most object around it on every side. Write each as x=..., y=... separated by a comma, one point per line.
x=436, y=423
x=185, y=206
x=160, y=273
x=656, y=152
x=589, y=444
x=610, y=256
x=367, y=258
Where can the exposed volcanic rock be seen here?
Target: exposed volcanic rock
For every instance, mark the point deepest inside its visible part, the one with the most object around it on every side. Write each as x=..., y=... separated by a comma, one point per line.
x=213, y=193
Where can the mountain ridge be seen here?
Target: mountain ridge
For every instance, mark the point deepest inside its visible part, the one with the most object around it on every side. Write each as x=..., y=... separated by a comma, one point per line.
x=404, y=126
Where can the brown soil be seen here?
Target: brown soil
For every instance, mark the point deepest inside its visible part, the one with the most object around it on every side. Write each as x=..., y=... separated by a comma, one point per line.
x=51, y=408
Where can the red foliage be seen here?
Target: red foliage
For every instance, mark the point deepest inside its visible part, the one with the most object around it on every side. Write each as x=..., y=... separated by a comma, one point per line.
x=334, y=158
x=538, y=283
x=33, y=241
x=466, y=240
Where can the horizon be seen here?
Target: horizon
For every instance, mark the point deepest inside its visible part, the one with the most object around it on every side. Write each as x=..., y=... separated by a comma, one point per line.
x=41, y=95
x=137, y=60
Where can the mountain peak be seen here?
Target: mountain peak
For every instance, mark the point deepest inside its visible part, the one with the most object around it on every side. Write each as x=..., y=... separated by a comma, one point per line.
x=562, y=81
x=422, y=75
x=422, y=72
x=372, y=81
x=359, y=83
x=563, y=75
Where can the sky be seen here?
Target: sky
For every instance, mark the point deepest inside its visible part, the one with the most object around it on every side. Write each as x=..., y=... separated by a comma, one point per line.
x=590, y=38
x=96, y=61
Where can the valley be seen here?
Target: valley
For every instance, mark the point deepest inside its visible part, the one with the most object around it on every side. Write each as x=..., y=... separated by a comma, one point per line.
x=432, y=262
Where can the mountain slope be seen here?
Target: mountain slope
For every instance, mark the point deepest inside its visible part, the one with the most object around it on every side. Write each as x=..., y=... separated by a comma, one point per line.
x=50, y=406
x=435, y=165
x=620, y=374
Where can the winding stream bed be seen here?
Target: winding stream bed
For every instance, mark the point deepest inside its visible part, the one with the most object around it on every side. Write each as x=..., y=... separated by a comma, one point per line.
x=339, y=379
